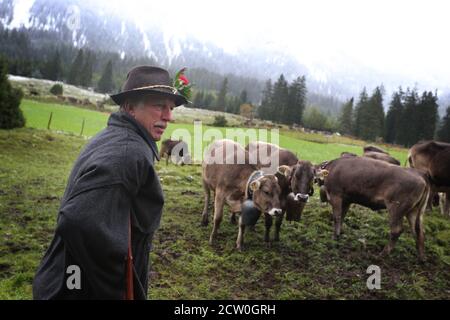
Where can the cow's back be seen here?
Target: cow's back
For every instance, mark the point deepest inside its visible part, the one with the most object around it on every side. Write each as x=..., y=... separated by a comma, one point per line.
x=227, y=173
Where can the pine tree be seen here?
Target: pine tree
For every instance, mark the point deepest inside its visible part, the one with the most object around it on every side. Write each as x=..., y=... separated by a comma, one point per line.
x=360, y=112
x=394, y=117
x=199, y=99
x=408, y=132
x=243, y=97
x=105, y=84
x=293, y=112
x=10, y=98
x=279, y=100
x=427, y=116
x=373, y=120
x=87, y=69
x=221, y=97
x=443, y=133
x=52, y=69
x=75, y=70
x=266, y=103
x=346, y=118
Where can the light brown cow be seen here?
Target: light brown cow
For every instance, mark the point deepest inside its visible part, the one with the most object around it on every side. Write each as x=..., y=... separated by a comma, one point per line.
x=226, y=171
x=378, y=185
x=433, y=157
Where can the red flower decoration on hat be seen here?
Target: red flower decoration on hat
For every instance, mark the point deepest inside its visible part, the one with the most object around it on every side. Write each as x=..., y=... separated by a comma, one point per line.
x=184, y=79
x=181, y=83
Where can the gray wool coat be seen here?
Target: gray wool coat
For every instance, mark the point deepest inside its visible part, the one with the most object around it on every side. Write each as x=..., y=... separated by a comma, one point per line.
x=112, y=177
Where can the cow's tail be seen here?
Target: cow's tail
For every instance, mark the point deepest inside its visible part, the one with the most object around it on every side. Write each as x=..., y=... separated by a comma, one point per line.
x=422, y=206
x=409, y=160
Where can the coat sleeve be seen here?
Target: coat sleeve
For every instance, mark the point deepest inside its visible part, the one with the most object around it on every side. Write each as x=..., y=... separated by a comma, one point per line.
x=93, y=224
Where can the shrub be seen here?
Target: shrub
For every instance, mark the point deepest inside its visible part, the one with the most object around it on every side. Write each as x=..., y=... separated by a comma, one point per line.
x=220, y=121
x=10, y=114
x=57, y=89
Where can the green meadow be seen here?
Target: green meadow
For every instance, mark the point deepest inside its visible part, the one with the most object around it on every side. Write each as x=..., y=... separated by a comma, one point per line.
x=309, y=147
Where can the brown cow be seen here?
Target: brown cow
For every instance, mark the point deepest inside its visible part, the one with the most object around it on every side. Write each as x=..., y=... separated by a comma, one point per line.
x=378, y=185
x=231, y=184
x=433, y=157
x=382, y=157
x=370, y=148
x=176, y=150
x=297, y=181
x=256, y=148
x=348, y=154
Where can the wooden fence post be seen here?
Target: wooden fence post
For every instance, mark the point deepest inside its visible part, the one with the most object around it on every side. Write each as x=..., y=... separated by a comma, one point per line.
x=82, y=127
x=49, y=121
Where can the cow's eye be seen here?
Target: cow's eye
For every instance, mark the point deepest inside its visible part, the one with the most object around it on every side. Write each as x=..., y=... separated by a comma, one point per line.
x=266, y=192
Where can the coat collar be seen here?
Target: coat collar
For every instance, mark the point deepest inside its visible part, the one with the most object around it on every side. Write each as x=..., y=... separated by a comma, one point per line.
x=124, y=120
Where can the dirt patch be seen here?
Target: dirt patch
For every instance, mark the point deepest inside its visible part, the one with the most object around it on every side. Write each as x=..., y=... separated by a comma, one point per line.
x=190, y=193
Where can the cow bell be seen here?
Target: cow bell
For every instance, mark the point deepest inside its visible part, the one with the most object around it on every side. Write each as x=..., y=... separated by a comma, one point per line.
x=293, y=208
x=249, y=213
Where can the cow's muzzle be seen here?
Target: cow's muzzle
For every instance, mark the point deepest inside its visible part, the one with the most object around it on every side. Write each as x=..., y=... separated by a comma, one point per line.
x=275, y=212
x=303, y=197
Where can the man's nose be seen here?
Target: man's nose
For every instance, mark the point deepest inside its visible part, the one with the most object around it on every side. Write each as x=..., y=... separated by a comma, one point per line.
x=167, y=114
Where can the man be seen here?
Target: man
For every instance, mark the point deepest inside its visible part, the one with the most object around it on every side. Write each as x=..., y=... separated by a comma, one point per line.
x=113, y=201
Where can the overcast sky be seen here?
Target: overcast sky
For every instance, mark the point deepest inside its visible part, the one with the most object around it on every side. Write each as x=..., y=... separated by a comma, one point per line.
x=409, y=37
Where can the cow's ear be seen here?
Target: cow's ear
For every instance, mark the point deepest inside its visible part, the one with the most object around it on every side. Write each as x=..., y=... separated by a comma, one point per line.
x=322, y=173
x=284, y=170
x=254, y=185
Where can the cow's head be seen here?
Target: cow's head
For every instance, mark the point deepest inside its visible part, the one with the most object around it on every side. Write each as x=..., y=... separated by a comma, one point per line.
x=266, y=194
x=320, y=173
x=302, y=180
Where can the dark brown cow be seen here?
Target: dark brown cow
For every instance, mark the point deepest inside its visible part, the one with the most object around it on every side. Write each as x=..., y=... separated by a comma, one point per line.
x=297, y=181
x=370, y=148
x=433, y=157
x=230, y=183
x=176, y=150
x=256, y=148
x=348, y=154
x=378, y=185
x=382, y=157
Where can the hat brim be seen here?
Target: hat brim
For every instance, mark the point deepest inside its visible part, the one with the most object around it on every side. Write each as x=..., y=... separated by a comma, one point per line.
x=121, y=97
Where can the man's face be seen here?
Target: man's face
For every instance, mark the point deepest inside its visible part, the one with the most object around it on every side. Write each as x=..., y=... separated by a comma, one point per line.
x=153, y=114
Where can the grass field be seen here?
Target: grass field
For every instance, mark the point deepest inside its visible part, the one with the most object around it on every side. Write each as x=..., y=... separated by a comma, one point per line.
x=305, y=264
x=313, y=147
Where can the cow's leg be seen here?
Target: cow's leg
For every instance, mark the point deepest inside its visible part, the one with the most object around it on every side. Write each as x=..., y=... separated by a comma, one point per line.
x=447, y=204
x=278, y=222
x=268, y=224
x=323, y=194
x=205, y=213
x=167, y=158
x=235, y=207
x=240, y=238
x=345, y=207
x=444, y=203
x=233, y=218
x=415, y=218
x=336, y=204
x=396, y=229
x=432, y=201
x=416, y=224
x=218, y=214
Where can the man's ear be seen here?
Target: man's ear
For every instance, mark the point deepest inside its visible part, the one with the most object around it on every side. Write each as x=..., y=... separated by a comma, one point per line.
x=254, y=185
x=284, y=170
